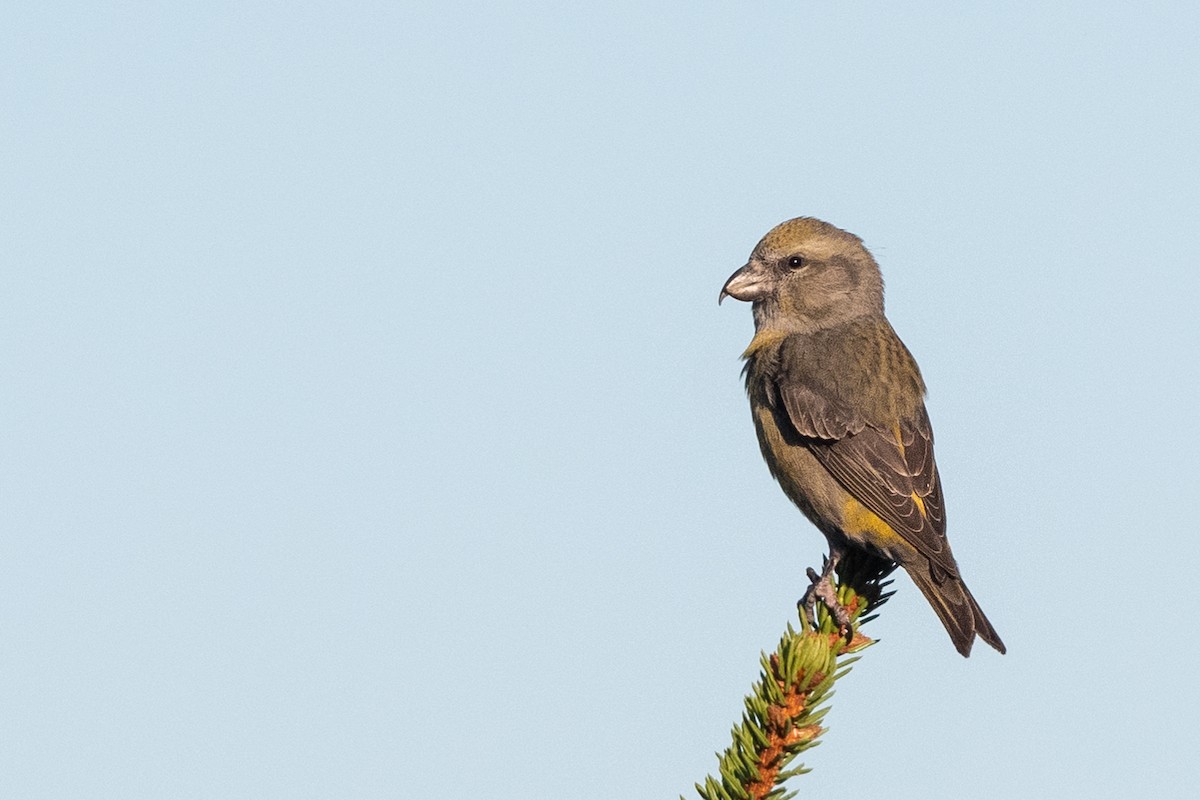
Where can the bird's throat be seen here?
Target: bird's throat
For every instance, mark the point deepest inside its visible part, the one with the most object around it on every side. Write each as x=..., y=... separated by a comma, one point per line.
x=763, y=338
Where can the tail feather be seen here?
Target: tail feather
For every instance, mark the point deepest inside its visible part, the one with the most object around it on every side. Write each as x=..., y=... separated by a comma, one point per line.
x=957, y=609
x=983, y=627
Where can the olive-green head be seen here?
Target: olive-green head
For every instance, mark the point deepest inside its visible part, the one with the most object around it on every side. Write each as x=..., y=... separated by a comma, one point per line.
x=806, y=275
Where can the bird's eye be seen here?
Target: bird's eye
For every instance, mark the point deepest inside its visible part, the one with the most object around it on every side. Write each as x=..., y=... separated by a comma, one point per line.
x=795, y=262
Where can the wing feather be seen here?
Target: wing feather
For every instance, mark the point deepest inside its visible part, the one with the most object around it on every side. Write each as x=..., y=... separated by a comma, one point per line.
x=891, y=472
x=818, y=416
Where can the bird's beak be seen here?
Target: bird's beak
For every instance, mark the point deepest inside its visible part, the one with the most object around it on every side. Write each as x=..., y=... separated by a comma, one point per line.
x=751, y=282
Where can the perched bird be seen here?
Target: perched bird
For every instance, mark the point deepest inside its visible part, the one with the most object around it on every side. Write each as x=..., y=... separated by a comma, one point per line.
x=838, y=404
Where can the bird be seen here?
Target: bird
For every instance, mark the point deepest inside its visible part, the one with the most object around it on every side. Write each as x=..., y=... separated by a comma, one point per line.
x=838, y=404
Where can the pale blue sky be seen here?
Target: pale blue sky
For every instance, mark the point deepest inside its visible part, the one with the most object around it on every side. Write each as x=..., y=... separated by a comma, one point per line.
x=370, y=429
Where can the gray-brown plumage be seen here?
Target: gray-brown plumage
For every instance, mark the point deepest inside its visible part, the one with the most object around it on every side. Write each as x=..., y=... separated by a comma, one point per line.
x=838, y=405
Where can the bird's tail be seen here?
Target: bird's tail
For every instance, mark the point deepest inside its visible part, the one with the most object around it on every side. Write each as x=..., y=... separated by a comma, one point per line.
x=956, y=608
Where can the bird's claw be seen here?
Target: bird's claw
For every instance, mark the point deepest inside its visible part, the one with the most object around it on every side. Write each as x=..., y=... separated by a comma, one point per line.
x=821, y=588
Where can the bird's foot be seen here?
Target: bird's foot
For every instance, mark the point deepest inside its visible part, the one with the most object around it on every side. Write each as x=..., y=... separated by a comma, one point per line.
x=821, y=588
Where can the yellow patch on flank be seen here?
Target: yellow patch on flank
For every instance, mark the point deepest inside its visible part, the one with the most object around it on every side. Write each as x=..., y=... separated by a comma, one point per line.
x=920, y=504
x=763, y=339
x=858, y=521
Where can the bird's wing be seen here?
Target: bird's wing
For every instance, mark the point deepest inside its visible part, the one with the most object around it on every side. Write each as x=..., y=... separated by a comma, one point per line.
x=818, y=414
x=891, y=472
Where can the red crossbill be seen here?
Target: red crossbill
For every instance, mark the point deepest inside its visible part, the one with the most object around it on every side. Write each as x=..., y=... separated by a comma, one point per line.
x=838, y=405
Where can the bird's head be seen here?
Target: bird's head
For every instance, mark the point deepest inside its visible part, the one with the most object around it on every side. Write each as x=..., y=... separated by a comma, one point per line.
x=806, y=275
